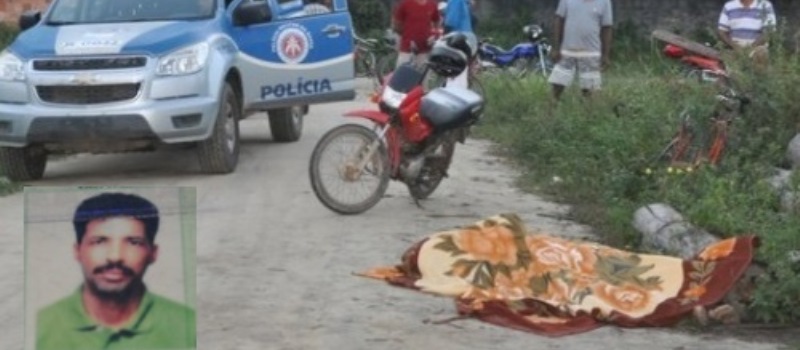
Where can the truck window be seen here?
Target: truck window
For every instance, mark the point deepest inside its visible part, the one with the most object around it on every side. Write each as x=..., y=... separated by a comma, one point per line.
x=69, y=12
x=105, y=11
x=308, y=7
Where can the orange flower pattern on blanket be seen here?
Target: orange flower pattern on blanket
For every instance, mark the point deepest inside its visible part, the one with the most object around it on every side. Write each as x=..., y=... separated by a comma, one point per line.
x=553, y=255
x=699, y=276
x=696, y=291
x=627, y=297
x=516, y=286
x=493, y=244
x=501, y=261
x=718, y=250
x=503, y=274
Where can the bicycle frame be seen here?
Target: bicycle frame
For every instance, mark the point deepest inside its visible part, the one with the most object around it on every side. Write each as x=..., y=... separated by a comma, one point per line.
x=685, y=136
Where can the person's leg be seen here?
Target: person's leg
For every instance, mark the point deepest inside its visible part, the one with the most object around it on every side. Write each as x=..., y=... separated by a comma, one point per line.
x=589, y=75
x=760, y=57
x=402, y=57
x=562, y=76
x=557, y=91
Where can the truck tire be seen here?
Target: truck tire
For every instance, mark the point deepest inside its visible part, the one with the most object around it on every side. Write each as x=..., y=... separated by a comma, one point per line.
x=219, y=154
x=23, y=164
x=286, y=124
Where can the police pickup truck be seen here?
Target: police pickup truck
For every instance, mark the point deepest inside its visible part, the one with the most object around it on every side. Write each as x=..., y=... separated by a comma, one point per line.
x=100, y=76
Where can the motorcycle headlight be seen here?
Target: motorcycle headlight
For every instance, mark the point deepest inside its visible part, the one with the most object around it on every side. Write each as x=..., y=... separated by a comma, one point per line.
x=392, y=98
x=184, y=61
x=11, y=67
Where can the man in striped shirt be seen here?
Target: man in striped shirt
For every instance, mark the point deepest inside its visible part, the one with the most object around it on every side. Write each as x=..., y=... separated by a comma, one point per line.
x=745, y=24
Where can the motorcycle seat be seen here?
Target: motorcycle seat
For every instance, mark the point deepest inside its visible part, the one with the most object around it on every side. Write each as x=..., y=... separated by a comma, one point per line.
x=497, y=50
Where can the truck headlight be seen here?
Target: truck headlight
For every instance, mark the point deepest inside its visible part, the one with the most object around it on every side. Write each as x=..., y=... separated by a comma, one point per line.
x=184, y=61
x=11, y=67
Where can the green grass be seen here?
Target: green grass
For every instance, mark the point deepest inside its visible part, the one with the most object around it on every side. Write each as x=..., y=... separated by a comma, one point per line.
x=600, y=149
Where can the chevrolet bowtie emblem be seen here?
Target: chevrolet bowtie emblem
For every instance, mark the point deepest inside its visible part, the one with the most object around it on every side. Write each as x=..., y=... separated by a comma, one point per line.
x=84, y=79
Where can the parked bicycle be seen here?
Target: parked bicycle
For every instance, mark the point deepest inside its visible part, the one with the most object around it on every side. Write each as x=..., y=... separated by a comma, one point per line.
x=369, y=54
x=690, y=147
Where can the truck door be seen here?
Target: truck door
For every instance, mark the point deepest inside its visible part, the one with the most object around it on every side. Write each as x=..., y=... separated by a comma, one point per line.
x=296, y=58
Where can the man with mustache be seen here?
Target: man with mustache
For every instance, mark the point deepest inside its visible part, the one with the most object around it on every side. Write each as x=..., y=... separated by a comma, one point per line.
x=113, y=309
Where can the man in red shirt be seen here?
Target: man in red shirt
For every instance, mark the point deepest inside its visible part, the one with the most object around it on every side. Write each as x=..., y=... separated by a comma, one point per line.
x=415, y=21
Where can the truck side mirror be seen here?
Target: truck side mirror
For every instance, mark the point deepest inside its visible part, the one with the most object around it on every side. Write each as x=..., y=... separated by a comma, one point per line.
x=29, y=19
x=252, y=12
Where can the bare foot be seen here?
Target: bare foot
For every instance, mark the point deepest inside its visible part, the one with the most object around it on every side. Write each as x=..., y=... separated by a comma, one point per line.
x=725, y=314
x=701, y=314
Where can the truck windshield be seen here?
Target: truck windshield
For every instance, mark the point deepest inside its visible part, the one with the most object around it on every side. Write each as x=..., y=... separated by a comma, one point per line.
x=110, y=11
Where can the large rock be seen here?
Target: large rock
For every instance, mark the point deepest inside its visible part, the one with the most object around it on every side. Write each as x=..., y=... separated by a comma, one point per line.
x=793, y=152
x=789, y=198
x=790, y=202
x=781, y=180
x=665, y=230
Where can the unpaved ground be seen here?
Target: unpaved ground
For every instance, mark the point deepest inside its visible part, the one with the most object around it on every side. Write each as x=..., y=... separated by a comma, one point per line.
x=274, y=266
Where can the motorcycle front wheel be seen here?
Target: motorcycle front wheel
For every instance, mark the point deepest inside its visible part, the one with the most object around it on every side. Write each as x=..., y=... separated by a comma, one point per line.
x=334, y=166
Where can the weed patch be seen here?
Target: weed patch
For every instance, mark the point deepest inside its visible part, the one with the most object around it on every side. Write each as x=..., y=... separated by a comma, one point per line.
x=598, y=155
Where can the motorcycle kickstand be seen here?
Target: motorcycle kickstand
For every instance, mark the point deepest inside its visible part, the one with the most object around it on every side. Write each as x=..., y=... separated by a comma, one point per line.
x=418, y=203
x=416, y=200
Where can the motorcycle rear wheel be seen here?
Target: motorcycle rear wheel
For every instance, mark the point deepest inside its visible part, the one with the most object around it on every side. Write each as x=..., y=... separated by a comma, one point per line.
x=377, y=166
x=426, y=183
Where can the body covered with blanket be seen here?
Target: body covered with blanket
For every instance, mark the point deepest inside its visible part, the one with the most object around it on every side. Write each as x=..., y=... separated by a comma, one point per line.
x=500, y=273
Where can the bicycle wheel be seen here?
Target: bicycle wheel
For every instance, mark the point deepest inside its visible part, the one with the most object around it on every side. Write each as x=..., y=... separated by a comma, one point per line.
x=677, y=149
x=537, y=66
x=345, y=174
x=385, y=65
x=365, y=63
x=520, y=68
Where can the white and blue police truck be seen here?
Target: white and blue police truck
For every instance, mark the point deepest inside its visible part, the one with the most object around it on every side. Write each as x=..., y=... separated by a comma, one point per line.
x=100, y=76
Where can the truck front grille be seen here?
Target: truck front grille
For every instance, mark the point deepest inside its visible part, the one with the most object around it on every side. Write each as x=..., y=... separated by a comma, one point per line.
x=92, y=94
x=64, y=64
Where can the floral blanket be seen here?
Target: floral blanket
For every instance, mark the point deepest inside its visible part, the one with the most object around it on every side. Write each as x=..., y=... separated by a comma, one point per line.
x=500, y=273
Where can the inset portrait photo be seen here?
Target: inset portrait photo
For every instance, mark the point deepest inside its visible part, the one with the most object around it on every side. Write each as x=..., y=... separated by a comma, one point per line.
x=110, y=268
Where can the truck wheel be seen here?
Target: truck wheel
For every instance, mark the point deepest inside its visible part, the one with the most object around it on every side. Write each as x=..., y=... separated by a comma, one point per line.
x=286, y=124
x=219, y=154
x=23, y=164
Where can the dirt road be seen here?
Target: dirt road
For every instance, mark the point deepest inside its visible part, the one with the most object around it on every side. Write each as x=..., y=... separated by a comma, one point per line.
x=274, y=266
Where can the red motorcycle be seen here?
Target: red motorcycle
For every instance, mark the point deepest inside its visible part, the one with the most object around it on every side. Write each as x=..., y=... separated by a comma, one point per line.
x=698, y=67
x=412, y=140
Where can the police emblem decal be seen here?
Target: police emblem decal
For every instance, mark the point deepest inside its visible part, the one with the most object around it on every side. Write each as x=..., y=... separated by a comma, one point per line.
x=292, y=43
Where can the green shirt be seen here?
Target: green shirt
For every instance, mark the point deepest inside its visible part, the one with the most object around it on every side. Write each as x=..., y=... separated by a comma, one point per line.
x=158, y=324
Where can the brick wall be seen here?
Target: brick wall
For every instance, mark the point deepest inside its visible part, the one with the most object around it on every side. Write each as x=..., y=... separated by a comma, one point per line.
x=11, y=9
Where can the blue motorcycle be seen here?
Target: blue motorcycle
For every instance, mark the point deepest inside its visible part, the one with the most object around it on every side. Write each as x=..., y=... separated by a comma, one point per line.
x=523, y=58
